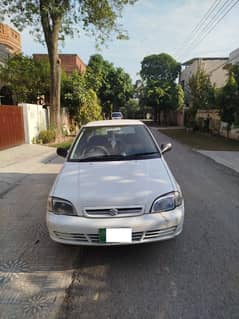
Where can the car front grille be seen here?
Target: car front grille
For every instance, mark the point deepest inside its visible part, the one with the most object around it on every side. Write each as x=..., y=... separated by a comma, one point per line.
x=114, y=212
x=157, y=233
x=71, y=236
x=136, y=236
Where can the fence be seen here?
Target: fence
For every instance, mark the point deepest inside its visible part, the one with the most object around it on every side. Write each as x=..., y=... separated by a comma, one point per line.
x=11, y=126
x=211, y=120
x=172, y=118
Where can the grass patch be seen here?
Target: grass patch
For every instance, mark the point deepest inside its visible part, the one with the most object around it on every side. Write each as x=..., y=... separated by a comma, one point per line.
x=202, y=141
x=65, y=144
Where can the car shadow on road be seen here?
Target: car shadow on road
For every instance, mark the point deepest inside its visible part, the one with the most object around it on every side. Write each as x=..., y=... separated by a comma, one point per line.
x=111, y=281
x=52, y=159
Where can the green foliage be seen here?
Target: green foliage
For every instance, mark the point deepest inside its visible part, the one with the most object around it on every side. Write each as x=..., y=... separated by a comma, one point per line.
x=46, y=136
x=159, y=67
x=158, y=88
x=112, y=85
x=228, y=100
x=202, y=93
x=180, y=97
x=57, y=19
x=26, y=77
x=65, y=144
x=131, y=108
x=90, y=110
x=81, y=101
x=73, y=91
x=235, y=72
x=95, y=72
x=96, y=17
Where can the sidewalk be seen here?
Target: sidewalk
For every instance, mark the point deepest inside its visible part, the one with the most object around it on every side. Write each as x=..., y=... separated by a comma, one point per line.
x=23, y=153
x=229, y=159
x=18, y=162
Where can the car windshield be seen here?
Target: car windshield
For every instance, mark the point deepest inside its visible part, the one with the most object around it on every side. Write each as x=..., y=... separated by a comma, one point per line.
x=105, y=143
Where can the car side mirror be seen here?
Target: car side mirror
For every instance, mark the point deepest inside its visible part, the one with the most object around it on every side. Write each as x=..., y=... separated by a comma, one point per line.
x=166, y=147
x=61, y=151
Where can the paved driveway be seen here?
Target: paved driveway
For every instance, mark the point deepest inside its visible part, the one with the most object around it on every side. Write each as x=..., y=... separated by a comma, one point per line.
x=193, y=276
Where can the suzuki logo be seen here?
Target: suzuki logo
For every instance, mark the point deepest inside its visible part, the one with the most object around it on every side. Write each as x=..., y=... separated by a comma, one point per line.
x=113, y=211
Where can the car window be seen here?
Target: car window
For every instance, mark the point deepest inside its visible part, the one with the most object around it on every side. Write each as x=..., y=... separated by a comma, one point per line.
x=109, y=142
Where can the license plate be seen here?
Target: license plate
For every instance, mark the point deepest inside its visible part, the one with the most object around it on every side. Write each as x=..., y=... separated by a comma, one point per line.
x=115, y=235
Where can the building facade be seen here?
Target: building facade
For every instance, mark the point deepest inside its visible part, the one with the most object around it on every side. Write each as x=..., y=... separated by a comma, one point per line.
x=10, y=42
x=69, y=62
x=234, y=57
x=214, y=67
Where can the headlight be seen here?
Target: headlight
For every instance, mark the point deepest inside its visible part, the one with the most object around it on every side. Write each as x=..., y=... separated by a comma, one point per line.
x=60, y=206
x=167, y=202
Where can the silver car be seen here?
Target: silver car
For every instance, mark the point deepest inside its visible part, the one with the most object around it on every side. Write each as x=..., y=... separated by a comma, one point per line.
x=114, y=188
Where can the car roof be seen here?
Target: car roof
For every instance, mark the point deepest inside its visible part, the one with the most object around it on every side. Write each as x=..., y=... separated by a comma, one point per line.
x=114, y=123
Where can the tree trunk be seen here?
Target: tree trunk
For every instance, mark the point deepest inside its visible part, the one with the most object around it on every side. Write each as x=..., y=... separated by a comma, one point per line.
x=51, y=27
x=55, y=93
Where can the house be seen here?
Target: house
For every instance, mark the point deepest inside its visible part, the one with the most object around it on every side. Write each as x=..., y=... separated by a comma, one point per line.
x=234, y=57
x=10, y=43
x=69, y=62
x=213, y=66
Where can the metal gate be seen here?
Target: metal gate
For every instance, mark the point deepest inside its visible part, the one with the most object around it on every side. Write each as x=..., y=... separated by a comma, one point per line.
x=11, y=126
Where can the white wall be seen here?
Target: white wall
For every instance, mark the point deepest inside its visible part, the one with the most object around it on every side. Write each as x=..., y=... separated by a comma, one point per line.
x=233, y=134
x=35, y=120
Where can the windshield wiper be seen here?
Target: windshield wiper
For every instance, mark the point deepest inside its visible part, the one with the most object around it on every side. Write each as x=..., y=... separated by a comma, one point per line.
x=142, y=154
x=115, y=157
x=101, y=158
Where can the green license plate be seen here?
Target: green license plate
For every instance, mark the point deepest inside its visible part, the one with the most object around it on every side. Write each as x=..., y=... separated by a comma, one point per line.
x=102, y=235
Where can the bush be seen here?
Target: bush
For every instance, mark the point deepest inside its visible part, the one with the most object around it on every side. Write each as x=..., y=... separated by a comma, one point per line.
x=46, y=136
x=90, y=110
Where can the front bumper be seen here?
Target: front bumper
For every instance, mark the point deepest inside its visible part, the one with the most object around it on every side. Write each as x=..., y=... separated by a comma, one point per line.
x=75, y=230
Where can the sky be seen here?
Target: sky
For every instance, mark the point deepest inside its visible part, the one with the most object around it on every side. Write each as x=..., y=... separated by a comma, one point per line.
x=155, y=26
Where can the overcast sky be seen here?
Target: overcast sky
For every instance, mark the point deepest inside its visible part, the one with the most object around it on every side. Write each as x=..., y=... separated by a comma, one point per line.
x=155, y=26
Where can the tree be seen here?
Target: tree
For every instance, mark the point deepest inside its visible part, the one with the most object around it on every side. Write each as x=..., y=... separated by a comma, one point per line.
x=95, y=72
x=235, y=71
x=113, y=86
x=202, y=93
x=73, y=89
x=159, y=67
x=90, y=110
x=57, y=19
x=80, y=100
x=131, y=108
x=159, y=89
x=26, y=77
x=180, y=97
x=228, y=101
x=121, y=88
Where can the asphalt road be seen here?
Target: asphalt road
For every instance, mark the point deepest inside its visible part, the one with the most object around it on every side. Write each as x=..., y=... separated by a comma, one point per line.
x=193, y=276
